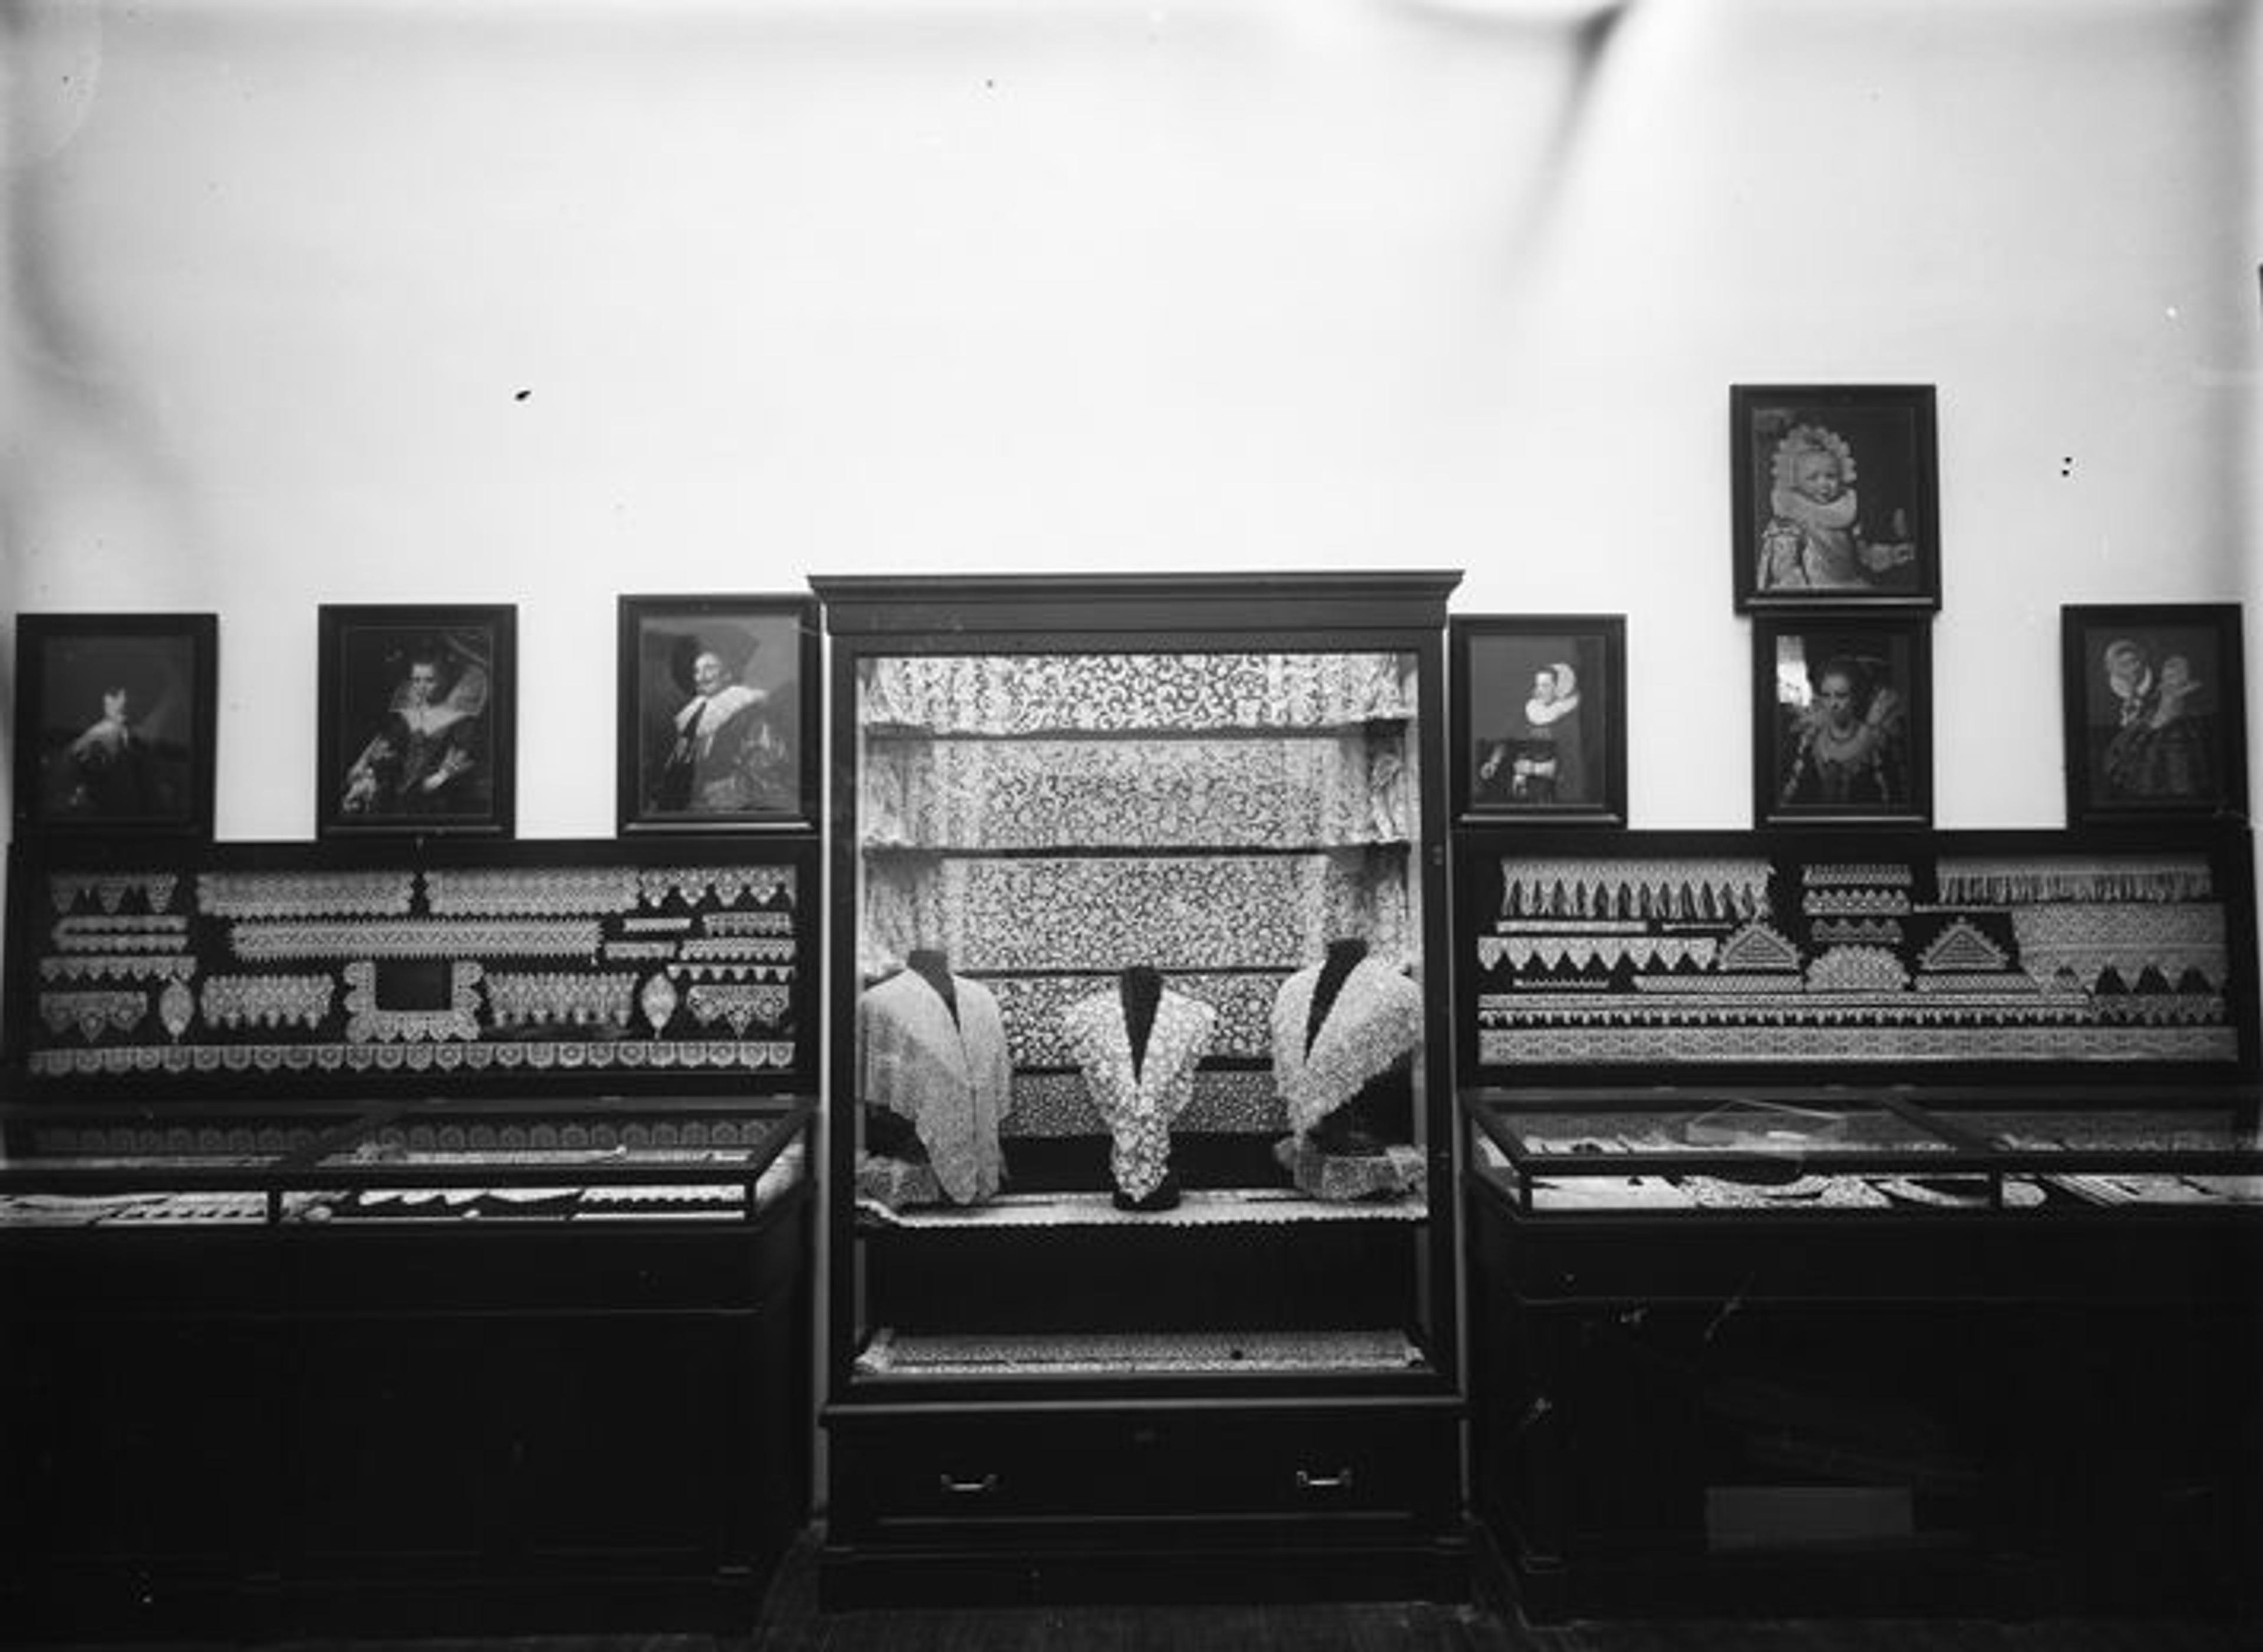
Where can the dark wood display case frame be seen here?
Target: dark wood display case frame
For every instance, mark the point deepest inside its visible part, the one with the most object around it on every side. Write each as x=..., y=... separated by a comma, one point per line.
x=1964, y=1363
x=323, y=1346
x=1140, y=1483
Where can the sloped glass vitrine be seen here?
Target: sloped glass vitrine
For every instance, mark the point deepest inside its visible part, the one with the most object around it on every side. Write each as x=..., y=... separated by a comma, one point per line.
x=1821, y=1149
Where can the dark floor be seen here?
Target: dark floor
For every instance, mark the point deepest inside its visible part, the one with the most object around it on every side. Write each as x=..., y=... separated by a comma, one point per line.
x=792, y=1622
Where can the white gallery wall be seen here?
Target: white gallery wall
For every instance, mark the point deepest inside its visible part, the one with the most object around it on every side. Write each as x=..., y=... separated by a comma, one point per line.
x=545, y=300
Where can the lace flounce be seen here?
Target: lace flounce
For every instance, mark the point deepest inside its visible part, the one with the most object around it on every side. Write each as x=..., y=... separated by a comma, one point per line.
x=1264, y=792
x=1088, y=694
x=1103, y=913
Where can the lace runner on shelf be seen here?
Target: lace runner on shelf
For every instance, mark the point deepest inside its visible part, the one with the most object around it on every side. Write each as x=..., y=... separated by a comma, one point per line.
x=1103, y=912
x=893, y=1353
x=1102, y=693
x=1198, y=1207
x=1266, y=792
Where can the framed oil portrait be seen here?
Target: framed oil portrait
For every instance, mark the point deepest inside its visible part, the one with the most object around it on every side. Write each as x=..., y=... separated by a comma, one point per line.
x=719, y=702
x=1837, y=496
x=2155, y=710
x=1842, y=726
x=418, y=720
x=116, y=719
x=1538, y=723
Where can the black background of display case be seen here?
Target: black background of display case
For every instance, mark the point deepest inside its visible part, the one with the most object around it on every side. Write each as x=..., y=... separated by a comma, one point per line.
x=32, y=862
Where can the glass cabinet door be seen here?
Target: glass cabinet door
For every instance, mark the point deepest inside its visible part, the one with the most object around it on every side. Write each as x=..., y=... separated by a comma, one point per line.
x=1141, y=1047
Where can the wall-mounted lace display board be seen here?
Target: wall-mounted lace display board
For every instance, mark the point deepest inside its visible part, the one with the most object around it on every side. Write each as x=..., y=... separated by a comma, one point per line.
x=239, y=970
x=1882, y=957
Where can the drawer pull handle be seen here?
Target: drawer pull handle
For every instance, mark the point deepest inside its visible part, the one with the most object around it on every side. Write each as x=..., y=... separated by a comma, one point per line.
x=958, y=1487
x=1307, y=1480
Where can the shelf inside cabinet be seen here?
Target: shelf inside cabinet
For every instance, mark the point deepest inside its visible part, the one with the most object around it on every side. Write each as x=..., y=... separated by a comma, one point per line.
x=1118, y=1354
x=1198, y=1207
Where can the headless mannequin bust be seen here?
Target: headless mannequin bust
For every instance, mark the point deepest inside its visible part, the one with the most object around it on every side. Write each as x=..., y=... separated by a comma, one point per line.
x=1142, y=987
x=1357, y=1129
x=1342, y=956
x=932, y=964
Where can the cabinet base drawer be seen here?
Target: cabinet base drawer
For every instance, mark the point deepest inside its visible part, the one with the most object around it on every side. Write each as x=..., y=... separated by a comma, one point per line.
x=1061, y=1474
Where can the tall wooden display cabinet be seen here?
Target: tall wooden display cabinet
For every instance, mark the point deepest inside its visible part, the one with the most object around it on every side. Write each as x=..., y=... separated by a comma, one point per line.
x=1143, y=1262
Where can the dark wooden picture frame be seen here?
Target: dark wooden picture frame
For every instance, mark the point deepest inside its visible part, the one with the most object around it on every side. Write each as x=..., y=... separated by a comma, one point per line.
x=1527, y=746
x=418, y=732
x=1837, y=496
x=2155, y=710
x=1842, y=719
x=117, y=722
x=718, y=713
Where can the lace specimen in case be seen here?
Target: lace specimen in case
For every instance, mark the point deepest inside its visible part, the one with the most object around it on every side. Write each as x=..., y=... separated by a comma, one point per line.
x=324, y=894
x=175, y=966
x=530, y=892
x=415, y=938
x=1273, y=791
x=542, y=1056
x=1139, y=1095
x=520, y=999
x=725, y=885
x=231, y=1001
x=738, y=1005
x=94, y=1012
x=109, y=891
x=1011, y=696
x=942, y=1064
x=1182, y=913
x=110, y=934
x=369, y=1020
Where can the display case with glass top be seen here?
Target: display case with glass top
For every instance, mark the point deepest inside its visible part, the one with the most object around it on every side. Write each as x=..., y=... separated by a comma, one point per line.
x=1138, y=1094
x=693, y=1158
x=1949, y=1147
x=497, y=1150
x=87, y=1164
x=2194, y=1150
x=1862, y=1214
x=1701, y=1150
